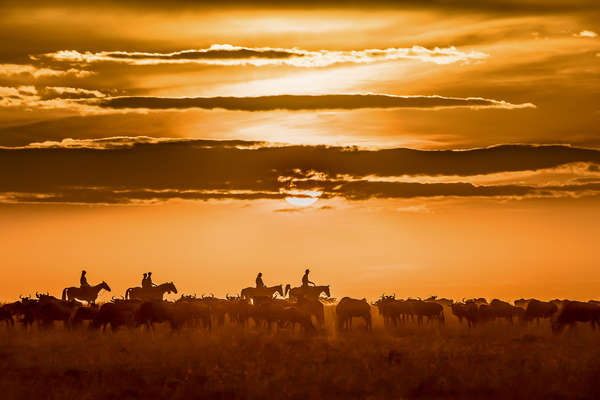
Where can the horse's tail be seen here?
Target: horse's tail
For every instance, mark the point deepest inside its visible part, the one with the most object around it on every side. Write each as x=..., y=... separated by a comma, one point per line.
x=64, y=293
x=128, y=293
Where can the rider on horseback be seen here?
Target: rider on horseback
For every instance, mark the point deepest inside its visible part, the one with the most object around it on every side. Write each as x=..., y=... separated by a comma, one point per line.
x=149, y=280
x=83, y=280
x=305, y=280
x=145, y=280
x=259, y=281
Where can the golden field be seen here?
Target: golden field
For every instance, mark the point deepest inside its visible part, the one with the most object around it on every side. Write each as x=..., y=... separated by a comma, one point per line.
x=495, y=360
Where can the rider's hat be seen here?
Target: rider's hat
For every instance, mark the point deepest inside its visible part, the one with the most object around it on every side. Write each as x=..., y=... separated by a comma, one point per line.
x=260, y=274
x=307, y=270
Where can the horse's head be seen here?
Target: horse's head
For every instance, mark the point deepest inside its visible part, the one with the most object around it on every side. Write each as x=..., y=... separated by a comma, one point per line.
x=279, y=289
x=287, y=289
x=105, y=286
x=171, y=287
x=326, y=290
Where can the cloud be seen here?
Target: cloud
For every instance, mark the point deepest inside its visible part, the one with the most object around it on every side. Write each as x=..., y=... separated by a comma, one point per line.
x=476, y=6
x=586, y=34
x=85, y=101
x=59, y=92
x=121, y=142
x=307, y=102
x=129, y=170
x=421, y=208
x=49, y=98
x=228, y=55
x=38, y=72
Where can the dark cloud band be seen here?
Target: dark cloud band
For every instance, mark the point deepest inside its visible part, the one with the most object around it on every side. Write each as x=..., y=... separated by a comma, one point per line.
x=158, y=170
x=304, y=102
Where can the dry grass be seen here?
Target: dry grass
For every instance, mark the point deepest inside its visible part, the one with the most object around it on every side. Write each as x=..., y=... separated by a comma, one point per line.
x=496, y=361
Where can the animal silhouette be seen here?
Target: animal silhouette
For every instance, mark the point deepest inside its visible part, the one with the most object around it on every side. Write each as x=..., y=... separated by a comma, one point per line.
x=310, y=292
x=267, y=292
x=86, y=293
x=150, y=293
x=349, y=308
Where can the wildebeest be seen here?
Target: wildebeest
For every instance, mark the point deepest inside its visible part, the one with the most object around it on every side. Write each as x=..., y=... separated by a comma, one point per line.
x=218, y=308
x=442, y=301
x=502, y=309
x=192, y=311
x=238, y=310
x=466, y=311
x=394, y=310
x=6, y=316
x=49, y=309
x=150, y=293
x=349, y=308
x=83, y=314
x=576, y=311
x=292, y=315
x=429, y=310
x=89, y=293
x=12, y=310
x=267, y=313
x=117, y=313
x=313, y=307
x=522, y=303
x=537, y=310
x=476, y=300
x=176, y=314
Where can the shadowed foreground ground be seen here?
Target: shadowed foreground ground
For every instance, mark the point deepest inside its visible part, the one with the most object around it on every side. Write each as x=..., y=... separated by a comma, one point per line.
x=496, y=361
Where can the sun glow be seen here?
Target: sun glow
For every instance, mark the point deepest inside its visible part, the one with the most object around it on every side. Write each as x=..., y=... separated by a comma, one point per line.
x=303, y=198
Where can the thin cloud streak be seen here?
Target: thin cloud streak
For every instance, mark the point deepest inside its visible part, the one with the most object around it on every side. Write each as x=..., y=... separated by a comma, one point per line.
x=85, y=101
x=308, y=102
x=38, y=72
x=228, y=55
x=586, y=34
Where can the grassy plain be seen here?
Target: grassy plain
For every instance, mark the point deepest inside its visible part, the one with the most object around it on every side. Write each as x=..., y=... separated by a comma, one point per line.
x=495, y=361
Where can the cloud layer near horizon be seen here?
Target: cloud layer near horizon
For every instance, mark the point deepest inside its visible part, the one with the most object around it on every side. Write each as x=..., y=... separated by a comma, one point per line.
x=310, y=102
x=229, y=55
x=124, y=170
x=94, y=101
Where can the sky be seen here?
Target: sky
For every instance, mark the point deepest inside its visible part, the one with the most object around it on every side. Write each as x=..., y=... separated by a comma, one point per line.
x=447, y=148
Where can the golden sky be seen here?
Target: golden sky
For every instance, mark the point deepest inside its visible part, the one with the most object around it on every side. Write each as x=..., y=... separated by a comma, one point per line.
x=446, y=148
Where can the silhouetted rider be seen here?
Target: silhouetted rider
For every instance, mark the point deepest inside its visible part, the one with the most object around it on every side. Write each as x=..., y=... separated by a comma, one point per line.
x=305, y=280
x=149, y=280
x=83, y=280
x=145, y=280
x=259, y=281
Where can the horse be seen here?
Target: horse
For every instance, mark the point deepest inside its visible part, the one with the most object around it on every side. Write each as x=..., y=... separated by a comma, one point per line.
x=86, y=293
x=268, y=292
x=348, y=308
x=151, y=293
x=309, y=292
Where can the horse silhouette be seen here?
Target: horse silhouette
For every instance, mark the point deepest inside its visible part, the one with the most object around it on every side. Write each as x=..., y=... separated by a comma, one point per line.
x=86, y=293
x=309, y=292
x=253, y=292
x=150, y=293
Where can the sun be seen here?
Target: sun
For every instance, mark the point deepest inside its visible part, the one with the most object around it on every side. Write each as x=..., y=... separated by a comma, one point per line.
x=302, y=198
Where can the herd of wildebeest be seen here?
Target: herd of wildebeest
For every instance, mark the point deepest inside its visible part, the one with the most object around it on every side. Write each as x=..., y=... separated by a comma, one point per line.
x=278, y=308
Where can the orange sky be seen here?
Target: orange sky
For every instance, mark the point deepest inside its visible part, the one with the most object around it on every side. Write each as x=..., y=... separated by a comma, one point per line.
x=136, y=137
